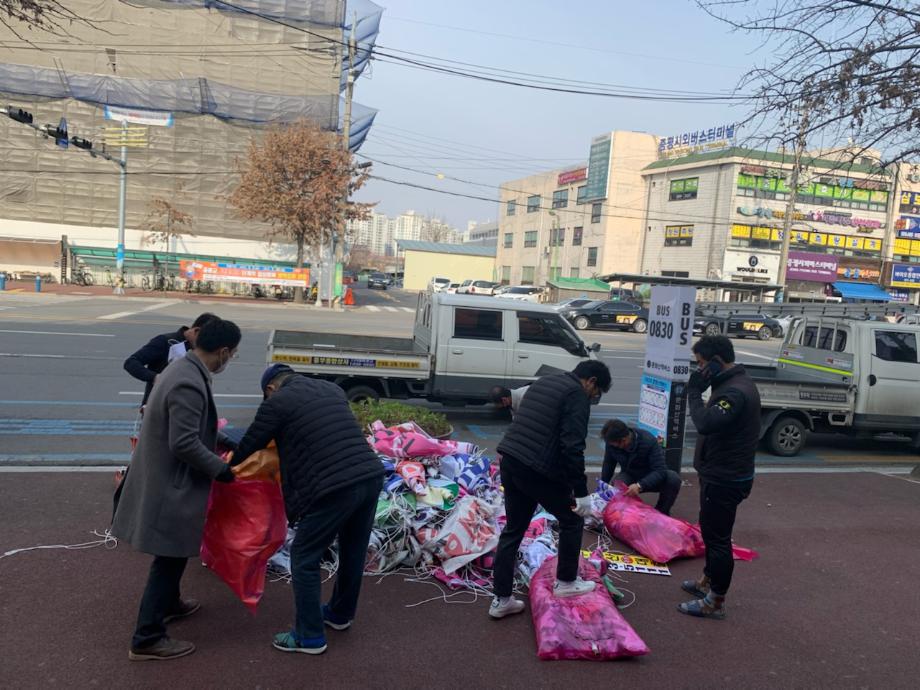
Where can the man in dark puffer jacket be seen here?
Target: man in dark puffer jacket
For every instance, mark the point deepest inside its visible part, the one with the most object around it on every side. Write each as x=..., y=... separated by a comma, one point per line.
x=543, y=462
x=331, y=479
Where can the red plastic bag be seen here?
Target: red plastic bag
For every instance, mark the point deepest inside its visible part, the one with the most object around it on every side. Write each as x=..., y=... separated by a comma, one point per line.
x=245, y=526
x=655, y=535
x=588, y=626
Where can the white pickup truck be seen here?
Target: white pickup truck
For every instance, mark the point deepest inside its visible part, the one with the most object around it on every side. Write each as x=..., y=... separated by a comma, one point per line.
x=461, y=347
x=838, y=375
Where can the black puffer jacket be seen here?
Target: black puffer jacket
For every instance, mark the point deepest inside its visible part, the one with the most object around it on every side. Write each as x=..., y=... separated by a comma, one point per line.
x=549, y=429
x=320, y=444
x=728, y=426
x=643, y=461
x=150, y=360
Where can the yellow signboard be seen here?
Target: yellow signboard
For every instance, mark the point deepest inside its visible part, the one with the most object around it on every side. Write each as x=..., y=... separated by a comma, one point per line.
x=741, y=231
x=776, y=234
x=902, y=247
x=871, y=245
x=631, y=564
x=817, y=238
x=915, y=247
x=799, y=237
x=759, y=233
x=855, y=243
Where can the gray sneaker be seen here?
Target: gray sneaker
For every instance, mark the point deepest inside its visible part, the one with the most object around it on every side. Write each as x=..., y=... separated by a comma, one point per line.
x=499, y=610
x=165, y=648
x=572, y=589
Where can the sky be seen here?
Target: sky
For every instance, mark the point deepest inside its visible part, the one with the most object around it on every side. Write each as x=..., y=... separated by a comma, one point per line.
x=491, y=133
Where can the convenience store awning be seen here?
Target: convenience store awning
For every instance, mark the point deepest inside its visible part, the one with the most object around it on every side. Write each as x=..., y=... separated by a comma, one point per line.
x=862, y=292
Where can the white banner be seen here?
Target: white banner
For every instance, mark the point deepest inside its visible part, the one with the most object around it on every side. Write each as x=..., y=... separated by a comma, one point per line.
x=154, y=118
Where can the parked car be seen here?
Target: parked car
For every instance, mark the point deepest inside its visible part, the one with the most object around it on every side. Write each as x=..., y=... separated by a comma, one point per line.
x=452, y=288
x=572, y=303
x=477, y=287
x=438, y=284
x=500, y=290
x=738, y=325
x=608, y=314
x=623, y=295
x=378, y=281
x=523, y=293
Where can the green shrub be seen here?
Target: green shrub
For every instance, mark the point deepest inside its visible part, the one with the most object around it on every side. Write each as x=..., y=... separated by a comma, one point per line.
x=392, y=413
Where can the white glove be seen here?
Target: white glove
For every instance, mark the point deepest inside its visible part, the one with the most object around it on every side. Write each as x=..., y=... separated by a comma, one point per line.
x=583, y=506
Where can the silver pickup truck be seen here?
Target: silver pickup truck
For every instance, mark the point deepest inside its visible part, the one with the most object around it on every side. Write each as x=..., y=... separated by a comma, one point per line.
x=838, y=375
x=461, y=346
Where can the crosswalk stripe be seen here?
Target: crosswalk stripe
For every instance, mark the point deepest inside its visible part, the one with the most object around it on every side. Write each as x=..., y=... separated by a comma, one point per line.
x=390, y=308
x=373, y=308
x=408, y=309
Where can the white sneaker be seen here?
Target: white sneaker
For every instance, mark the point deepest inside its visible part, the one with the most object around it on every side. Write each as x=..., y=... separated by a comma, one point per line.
x=573, y=589
x=509, y=608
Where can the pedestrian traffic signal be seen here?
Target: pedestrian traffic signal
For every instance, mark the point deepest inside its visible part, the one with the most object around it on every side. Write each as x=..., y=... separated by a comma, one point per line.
x=19, y=115
x=81, y=143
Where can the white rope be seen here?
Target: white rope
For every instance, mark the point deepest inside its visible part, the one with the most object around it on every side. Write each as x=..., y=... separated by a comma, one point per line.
x=106, y=540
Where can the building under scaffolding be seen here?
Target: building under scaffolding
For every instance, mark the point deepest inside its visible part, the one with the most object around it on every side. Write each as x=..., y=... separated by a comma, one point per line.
x=224, y=70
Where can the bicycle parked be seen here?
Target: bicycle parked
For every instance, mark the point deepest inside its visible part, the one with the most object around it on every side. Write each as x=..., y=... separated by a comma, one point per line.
x=82, y=276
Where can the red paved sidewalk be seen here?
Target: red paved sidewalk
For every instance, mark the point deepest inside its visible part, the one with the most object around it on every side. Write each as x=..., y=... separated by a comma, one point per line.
x=832, y=602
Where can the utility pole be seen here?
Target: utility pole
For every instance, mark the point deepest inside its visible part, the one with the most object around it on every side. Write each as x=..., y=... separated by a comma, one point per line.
x=122, y=199
x=338, y=235
x=799, y=149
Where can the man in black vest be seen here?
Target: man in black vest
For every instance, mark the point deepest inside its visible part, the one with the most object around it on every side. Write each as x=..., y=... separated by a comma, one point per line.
x=729, y=431
x=543, y=463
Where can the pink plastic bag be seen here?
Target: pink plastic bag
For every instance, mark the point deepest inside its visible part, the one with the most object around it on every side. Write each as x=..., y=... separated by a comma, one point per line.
x=588, y=626
x=410, y=441
x=655, y=535
x=245, y=526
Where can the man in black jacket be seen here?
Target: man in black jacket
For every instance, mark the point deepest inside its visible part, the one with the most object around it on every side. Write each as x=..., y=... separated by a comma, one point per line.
x=151, y=360
x=543, y=462
x=641, y=461
x=729, y=431
x=331, y=479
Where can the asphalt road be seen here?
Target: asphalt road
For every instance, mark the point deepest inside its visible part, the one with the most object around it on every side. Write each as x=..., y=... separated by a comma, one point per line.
x=64, y=397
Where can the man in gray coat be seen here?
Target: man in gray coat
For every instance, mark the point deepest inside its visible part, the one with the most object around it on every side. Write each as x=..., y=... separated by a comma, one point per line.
x=165, y=497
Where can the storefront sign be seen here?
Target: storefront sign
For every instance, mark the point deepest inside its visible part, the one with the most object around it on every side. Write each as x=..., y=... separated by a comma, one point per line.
x=905, y=275
x=751, y=265
x=902, y=296
x=709, y=139
x=570, y=176
x=134, y=116
x=908, y=227
x=244, y=273
x=856, y=269
x=910, y=202
x=598, y=169
x=819, y=268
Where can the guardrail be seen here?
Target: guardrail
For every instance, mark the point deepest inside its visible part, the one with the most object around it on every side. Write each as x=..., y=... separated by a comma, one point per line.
x=807, y=309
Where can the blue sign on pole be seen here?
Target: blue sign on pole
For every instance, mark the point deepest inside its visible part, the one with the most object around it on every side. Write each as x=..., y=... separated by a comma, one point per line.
x=62, y=138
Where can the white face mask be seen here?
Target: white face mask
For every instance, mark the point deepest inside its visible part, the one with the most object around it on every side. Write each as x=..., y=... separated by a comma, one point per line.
x=223, y=367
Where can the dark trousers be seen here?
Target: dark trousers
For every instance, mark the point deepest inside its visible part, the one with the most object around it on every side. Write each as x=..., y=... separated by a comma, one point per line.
x=349, y=515
x=161, y=598
x=524, y=490
x=667, y=489
x=718, y=505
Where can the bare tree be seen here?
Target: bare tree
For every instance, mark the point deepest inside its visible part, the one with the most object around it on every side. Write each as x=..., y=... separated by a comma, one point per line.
x=847, y=70
x=298, y=179
x=434, y=230
x=49, y=15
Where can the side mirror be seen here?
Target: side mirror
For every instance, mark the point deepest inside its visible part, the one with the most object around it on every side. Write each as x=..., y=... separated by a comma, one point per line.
x=595, y=347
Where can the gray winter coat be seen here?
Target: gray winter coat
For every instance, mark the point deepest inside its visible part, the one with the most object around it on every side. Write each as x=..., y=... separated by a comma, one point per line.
x=165, y=496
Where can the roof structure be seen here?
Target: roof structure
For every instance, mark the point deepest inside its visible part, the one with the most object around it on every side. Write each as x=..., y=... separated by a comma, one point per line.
x=445, y=248
x=765, y=157
x=583, y=284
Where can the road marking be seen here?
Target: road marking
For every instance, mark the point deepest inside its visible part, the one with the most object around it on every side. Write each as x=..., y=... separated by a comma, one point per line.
x=216, y=395
x=391, y=308
x=6, y=308
x=97, y=403
x=373, y=308
x=122, y=314
x=408, y=309
x=15, y=354
x=84, y=335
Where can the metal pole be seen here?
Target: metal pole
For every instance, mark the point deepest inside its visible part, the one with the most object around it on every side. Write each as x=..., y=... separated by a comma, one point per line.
x=122, y=199
x=338, y=247
x=790, y=204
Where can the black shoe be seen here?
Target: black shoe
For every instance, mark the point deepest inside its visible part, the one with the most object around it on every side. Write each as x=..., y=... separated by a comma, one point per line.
x=186, y=608
x=161, y=650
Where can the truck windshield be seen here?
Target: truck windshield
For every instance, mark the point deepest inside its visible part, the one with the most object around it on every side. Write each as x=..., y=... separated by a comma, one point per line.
x=548, y=329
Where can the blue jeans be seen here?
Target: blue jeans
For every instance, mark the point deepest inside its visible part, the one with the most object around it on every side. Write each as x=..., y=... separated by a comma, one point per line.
x=349, y=515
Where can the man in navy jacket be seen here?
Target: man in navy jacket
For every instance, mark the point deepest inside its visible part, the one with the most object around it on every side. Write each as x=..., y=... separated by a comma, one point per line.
x=641, y=461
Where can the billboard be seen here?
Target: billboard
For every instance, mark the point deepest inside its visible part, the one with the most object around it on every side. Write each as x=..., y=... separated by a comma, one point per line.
x=819, y=268
x=905, y=276
x=598, y=169
x=244, y=273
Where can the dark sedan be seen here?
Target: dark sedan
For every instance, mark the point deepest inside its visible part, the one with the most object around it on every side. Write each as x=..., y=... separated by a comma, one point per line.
x=378, y=281
x=624, y=316
x=738, y=325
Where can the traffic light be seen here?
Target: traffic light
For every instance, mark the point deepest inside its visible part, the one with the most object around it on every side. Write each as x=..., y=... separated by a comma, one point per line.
x=19, y=115
x=81, y=143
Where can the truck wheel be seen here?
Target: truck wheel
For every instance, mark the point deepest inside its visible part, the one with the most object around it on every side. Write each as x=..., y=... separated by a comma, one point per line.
x=639, y=326
x=787, y=436
x=712, y=329
x=582, y=322
x=765, y=333
x=361, y=394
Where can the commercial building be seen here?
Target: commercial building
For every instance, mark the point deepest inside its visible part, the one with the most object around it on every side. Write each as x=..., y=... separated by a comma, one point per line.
x=719, y=215
x=422, y=261
x=198, y=81
x=902, y=267
x=484, y=234
x=579, y=221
